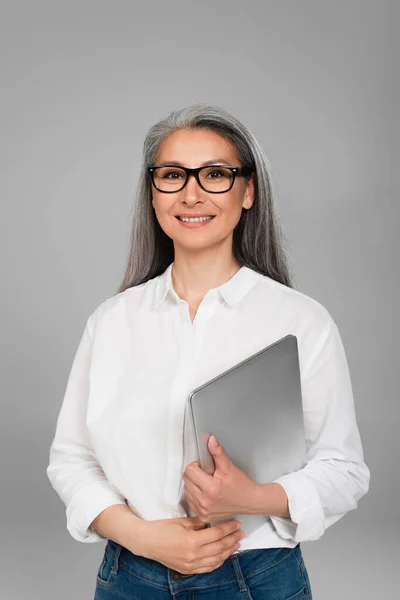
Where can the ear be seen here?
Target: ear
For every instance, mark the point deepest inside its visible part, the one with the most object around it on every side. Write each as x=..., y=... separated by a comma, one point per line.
x=250, y=191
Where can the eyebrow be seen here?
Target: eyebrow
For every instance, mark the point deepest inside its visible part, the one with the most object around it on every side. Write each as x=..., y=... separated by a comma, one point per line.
x=213, y=161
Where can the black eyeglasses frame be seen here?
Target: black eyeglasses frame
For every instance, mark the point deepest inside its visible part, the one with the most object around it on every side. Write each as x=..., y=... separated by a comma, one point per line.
x=237, y=171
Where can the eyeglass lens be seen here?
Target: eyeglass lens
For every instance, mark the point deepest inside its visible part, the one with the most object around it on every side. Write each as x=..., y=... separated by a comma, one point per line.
x=214, y=179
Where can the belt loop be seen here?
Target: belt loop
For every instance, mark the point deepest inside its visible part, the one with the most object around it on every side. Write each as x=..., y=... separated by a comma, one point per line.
x=115, y=566
x=238, y=572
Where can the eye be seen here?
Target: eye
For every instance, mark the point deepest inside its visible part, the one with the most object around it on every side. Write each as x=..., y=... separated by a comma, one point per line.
x=218, y=172
x=171, y=175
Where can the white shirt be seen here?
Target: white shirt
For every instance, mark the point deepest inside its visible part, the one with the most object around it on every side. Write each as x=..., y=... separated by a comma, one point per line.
x=122, y=435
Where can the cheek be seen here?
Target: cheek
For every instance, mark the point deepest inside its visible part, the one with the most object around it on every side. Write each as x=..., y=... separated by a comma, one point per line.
x=157, y=205
x=232, y=210
x=162, y=214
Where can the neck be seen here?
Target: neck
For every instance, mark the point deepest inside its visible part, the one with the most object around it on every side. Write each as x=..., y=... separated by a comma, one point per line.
x=193, y=279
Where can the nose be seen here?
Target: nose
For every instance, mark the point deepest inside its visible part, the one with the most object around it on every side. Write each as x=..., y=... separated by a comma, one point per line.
x=192, y=189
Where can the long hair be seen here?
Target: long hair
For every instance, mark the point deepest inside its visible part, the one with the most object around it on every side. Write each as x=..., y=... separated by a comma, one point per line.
x=258, y=242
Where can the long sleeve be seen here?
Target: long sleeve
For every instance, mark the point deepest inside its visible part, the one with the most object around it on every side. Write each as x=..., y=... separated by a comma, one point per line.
x=336, y=476
x=74, y=470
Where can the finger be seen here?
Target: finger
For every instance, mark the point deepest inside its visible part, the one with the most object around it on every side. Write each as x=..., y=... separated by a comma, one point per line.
x=192, y=488
x=193, y=522
x=197, y=476
x=193, y=504
x=216, y=532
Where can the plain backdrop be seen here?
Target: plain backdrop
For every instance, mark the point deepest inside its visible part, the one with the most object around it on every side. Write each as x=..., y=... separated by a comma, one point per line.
x=81, y=83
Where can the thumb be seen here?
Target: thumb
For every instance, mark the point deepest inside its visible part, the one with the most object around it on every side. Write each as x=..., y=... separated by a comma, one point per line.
x=214, y=446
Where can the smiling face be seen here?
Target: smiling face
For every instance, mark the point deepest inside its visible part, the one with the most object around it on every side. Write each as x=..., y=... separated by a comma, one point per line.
x=192, y=149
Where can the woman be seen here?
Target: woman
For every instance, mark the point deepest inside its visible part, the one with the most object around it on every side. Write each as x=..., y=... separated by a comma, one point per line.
x=198, y=297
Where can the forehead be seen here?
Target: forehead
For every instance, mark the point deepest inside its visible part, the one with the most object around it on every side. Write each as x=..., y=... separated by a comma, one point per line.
x=195, y=147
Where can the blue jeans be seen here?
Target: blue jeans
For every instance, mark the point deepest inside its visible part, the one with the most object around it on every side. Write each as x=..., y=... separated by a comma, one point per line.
x=266, y=574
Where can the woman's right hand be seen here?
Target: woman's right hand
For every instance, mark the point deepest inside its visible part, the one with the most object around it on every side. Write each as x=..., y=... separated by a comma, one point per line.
x=186, y=545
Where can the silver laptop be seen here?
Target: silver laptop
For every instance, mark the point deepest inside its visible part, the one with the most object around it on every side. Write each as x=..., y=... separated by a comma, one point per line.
x=255, y=411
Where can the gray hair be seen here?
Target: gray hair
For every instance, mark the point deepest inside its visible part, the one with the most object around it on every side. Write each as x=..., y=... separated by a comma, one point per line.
x=258, y=242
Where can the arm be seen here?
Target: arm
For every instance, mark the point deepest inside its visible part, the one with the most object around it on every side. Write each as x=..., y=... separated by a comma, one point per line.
x=73, y=470
x=336, y=476
x=270, y=499
x=120, y=524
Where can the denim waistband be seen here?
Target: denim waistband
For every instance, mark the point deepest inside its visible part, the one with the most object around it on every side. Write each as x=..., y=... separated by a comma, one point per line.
x=236, y=568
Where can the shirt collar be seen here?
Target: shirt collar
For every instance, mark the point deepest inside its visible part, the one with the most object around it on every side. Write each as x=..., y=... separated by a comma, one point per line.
x=232, y=291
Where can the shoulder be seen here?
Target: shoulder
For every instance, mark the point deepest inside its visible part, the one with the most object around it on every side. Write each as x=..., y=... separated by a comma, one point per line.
x=115, y=308
x=293, y=304
x=288, y=310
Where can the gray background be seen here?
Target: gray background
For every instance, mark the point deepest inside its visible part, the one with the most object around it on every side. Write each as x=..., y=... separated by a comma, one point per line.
x=81, y=83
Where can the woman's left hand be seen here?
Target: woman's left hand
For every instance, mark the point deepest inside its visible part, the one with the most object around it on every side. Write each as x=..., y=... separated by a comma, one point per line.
x=225, y=493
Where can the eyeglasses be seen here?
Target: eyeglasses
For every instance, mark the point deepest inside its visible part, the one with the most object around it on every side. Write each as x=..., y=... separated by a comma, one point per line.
x=216, y=179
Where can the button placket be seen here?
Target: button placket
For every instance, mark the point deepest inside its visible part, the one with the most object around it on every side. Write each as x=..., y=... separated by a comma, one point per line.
x=177, y=409
x=191, y=341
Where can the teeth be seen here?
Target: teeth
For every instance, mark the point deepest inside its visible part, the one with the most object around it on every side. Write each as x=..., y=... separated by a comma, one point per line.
x=195, y=219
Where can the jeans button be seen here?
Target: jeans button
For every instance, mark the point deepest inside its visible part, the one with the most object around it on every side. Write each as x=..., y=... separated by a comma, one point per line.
x=176, y=576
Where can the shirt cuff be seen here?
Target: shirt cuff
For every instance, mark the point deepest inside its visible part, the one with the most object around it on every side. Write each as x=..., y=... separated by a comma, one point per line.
x=85, y=505
x=306, y=521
